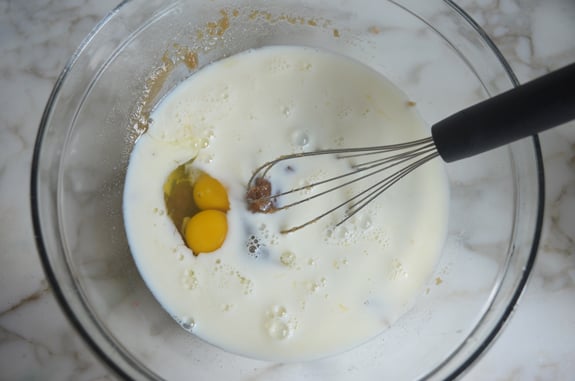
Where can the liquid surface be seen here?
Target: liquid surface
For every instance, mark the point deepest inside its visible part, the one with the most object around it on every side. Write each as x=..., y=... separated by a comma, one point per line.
x=286, y=297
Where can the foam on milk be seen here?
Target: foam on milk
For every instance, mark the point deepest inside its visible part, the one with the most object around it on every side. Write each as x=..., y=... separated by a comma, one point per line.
x=320, y=290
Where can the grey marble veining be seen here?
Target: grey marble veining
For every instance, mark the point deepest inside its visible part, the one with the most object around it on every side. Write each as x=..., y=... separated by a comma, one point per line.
x=38, y=343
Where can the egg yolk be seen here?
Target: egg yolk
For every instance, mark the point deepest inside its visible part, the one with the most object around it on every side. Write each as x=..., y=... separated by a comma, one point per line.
x=209, y=193
x=206, y=231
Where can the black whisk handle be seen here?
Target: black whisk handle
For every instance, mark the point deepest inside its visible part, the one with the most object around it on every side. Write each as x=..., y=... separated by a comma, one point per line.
x=523, y=111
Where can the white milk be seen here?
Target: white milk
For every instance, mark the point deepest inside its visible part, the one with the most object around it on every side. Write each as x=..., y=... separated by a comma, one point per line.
x=319, y=290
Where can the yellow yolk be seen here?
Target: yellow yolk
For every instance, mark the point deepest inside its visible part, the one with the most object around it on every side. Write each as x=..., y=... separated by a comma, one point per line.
x=197, y=208
x=206, y=231
x=209, y=193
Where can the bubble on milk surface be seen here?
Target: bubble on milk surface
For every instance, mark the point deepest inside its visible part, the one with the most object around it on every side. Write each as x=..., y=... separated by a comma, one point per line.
x=300, y=139
x=189, y=279
x=187, y=323
x=279, y=64
x=226, y=307
x=288, y=258
x=287, y=110
x=278, y=324
x=258, y=241
x=277, y=329
x=256, y=246
x=357, y=228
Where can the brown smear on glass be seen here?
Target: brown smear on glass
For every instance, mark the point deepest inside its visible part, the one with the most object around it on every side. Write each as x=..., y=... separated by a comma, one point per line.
x=155, y=82
x=218, y=28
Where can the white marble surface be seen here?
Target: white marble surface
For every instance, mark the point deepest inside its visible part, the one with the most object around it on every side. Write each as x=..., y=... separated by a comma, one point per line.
x=37, y=342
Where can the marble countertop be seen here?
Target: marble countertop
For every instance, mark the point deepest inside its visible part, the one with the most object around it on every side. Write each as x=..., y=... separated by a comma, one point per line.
x=38, y=343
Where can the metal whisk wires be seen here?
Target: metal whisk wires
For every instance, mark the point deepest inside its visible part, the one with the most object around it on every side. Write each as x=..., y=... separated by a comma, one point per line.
x=391, y=162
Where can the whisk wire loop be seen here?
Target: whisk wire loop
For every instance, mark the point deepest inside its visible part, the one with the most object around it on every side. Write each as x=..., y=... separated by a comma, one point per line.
x=411, y=155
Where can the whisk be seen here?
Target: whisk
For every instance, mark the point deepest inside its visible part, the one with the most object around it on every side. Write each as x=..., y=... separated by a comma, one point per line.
x=521, y=112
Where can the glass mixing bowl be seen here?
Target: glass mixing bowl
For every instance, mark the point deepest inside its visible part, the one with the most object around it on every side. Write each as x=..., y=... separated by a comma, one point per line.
x=430, y=49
